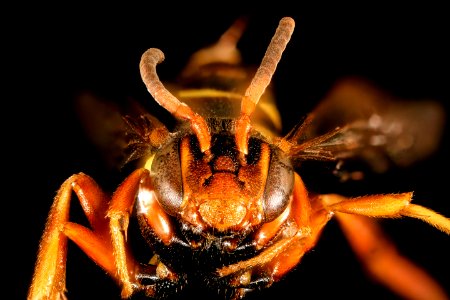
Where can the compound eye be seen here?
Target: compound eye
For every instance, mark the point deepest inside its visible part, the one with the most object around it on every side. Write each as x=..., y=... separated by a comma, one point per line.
x=279, y=185
x=166, y=178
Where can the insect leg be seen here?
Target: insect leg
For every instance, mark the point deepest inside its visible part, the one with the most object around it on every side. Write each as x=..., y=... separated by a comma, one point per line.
x=385, y=263
x=375, y=251
x=49, y=278
x=386, y=206
x=150, y=278
x=119, y=215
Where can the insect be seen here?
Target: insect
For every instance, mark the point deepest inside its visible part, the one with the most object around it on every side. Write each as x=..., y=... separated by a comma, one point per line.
x=219, y=199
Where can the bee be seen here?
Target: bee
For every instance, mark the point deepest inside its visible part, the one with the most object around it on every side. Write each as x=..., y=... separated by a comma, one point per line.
x=219, y=198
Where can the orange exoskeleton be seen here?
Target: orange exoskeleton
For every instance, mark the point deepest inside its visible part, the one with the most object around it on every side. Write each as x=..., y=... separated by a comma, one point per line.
x=219, y=199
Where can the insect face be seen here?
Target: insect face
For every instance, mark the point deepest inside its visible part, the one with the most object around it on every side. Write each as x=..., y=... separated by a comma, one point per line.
x=190, y=185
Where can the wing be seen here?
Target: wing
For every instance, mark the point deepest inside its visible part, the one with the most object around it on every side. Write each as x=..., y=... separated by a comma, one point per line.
x=358, y=121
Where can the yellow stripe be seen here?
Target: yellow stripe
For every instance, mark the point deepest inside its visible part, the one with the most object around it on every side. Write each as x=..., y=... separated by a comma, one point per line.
x=207, y=93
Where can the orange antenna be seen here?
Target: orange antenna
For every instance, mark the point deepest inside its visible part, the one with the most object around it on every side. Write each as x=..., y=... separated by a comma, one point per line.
x=178, y=109
x=261, y=80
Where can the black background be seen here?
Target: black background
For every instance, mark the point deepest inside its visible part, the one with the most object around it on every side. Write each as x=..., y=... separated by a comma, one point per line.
x=53, y=53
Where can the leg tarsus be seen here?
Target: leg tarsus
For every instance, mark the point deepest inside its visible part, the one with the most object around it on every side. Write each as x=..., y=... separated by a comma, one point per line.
x=427, y=215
